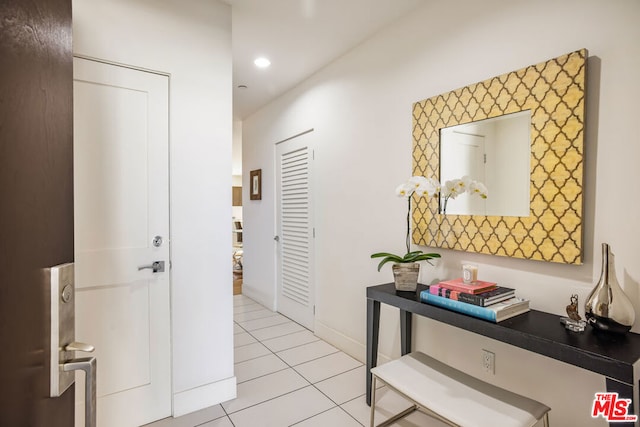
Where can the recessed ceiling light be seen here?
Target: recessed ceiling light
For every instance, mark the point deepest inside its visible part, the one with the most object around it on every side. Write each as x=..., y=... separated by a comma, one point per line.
x=262, y=62
x=242, y=86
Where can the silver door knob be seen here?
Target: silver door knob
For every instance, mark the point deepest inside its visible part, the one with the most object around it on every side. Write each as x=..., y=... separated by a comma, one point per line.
x=157, y=267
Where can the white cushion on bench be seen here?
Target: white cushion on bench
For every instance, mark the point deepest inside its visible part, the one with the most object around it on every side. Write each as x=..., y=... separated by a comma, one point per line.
x=460, y=398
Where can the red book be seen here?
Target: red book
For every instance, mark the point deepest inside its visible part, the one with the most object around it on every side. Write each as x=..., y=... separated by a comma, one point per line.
x=443, y=292
x=474, y=287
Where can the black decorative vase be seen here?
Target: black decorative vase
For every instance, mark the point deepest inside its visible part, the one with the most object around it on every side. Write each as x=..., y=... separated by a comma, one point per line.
x=608, y=308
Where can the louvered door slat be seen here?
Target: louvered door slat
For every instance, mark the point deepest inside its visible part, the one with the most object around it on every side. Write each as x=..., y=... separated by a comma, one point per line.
x=295, y=279
x=295, y=230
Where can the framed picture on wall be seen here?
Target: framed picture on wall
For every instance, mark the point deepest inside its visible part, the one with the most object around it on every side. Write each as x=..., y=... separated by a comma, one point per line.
x=255, y=181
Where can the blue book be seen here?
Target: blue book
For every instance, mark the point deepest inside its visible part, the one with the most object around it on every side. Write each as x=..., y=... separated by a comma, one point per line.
x=494, y=313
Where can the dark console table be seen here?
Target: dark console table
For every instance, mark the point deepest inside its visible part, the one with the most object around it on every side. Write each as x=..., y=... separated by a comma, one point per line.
x=615, y=357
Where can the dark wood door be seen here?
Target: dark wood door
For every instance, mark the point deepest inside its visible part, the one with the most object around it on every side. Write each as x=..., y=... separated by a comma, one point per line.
x=36, y=199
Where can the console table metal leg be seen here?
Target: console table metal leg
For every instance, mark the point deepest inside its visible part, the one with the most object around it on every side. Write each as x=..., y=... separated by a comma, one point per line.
x=405, y=332
x=373, y=327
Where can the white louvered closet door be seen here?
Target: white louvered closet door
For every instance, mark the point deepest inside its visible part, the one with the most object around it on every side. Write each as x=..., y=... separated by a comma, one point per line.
x=295, y=230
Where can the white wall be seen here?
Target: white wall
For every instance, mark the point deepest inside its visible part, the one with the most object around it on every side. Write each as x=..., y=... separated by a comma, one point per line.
x=360, y=108
x=236, y=150
x=236, y=164
x=192, y=42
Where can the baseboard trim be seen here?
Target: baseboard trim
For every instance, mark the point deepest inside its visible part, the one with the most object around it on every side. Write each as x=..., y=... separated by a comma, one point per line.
x=258, y=296
x=347, y=344
x=204, y=396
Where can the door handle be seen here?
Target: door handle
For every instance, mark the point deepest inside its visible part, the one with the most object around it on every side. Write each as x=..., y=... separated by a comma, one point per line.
x=157, y=267
x=89, y=366
x=80, y=346
x=60, y=292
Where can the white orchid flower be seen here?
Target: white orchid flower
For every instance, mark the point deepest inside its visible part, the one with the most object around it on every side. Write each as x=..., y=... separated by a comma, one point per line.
x=465, y=182
x=417, y=181
x=456, y=187
x=453, y=188
x=429, y=188
x=479, y=189
x=405, y=190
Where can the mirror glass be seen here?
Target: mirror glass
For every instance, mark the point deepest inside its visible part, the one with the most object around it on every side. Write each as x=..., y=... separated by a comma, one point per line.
x=495, y=152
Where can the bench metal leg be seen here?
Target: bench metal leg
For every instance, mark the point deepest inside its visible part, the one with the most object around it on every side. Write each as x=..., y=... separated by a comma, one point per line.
x=397, y=416
x=394, y=418
x=373, y=409
x=373, y=401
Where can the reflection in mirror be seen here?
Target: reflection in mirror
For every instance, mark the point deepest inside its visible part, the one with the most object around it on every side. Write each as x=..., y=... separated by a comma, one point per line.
x=495, y=152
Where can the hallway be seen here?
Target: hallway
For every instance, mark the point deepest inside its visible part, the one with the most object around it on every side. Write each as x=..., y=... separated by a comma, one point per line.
x=287, y=376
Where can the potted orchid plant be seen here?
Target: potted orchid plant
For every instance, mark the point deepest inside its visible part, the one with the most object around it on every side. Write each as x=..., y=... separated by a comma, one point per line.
x=406, y=268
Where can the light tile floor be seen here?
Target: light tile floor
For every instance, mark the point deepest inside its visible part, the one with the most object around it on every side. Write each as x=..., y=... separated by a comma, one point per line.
x=289, y=377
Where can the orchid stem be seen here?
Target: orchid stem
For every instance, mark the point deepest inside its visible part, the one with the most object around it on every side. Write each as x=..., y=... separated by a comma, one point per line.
x=408, y=224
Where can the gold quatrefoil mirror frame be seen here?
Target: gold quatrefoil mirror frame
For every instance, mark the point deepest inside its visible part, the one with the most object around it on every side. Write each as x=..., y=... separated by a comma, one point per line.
x=554, y=92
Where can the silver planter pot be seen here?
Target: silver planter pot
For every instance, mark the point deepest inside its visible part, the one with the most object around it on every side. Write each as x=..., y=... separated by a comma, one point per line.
x=608, y=308
x=405, y=276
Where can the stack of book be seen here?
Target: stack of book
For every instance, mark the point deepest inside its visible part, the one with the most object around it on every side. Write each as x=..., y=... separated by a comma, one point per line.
x=485, y=300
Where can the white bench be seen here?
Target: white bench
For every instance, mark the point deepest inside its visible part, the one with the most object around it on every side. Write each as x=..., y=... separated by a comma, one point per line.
x=453, y=396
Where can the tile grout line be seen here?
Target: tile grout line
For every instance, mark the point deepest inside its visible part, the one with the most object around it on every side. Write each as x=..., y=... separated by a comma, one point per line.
x=271, y=314
x=336, y=403
x=247, y=303
x=330, y=409
x=284, y=361
x=292, y=367
x=264, y=375
x=268, y=400
x=288, y=366
x=295, y=346
x=259, y=307
x=226, y=414
x=314, y=359
x=265, y=327
x=271, y=326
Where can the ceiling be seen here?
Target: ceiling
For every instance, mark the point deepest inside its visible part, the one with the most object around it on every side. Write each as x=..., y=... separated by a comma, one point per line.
x=299, y=37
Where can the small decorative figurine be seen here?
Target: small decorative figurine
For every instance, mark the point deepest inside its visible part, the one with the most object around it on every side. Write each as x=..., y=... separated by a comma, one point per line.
x=574, y=322
x=572, y=309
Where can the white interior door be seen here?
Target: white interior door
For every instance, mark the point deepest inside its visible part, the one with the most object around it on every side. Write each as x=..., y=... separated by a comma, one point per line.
x=463, y=154
x=295, y=296
x=121, y=192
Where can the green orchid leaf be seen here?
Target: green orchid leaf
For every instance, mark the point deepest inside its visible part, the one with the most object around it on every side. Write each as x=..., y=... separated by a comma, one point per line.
x=433, y=255
x=414, y=257
x=393, y=258
x=411, y=256
x=383, y=254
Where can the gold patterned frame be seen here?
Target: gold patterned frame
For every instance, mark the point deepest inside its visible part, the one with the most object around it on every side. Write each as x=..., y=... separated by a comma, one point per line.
x=554, y=91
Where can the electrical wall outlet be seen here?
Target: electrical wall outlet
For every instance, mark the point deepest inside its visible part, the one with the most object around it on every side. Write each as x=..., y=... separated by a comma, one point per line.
x=488, y=362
